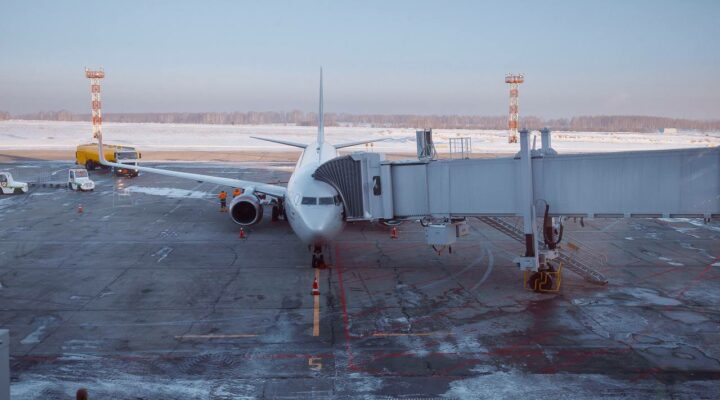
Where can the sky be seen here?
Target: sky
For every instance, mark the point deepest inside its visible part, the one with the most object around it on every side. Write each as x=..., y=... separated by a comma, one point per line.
x=631, y=57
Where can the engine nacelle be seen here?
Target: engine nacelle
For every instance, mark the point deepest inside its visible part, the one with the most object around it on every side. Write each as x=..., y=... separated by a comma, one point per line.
x=246, y=210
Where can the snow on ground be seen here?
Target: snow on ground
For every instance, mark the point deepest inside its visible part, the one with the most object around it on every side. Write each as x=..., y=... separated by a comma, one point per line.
x=60, y=135
x=170, y=192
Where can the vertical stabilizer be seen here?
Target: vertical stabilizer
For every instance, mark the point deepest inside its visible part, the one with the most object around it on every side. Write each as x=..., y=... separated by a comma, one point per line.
x=321, y=116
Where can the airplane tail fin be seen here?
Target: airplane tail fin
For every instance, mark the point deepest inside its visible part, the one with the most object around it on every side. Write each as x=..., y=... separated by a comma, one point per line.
x=321, y=116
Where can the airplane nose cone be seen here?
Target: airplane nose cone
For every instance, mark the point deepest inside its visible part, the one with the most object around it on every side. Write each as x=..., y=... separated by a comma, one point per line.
x=322, y=226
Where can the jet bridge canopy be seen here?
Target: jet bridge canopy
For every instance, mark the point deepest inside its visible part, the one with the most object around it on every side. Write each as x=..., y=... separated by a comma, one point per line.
x=665, y=183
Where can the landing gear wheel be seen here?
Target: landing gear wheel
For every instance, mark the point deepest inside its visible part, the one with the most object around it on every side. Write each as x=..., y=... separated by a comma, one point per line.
x=318, y=261
x=540, y=282
x=275, y=213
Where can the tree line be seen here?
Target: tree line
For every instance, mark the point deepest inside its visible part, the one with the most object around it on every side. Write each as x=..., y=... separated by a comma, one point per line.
x=602, y=123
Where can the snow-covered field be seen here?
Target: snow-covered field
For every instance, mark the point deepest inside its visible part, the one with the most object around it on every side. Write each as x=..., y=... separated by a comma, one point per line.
x=57, y=135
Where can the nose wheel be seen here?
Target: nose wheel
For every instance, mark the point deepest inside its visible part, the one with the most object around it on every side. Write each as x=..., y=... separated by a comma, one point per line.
x=318, y=259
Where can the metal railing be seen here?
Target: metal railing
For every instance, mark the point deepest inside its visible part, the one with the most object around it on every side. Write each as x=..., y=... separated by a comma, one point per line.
x=575, y=262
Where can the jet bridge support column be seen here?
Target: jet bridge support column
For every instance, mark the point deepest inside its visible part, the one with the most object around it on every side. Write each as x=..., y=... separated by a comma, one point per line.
x=547, y=149
x=530, y=261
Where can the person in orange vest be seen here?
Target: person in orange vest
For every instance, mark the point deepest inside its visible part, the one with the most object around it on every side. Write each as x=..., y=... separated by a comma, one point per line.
x=223, y=205
x=237, y=192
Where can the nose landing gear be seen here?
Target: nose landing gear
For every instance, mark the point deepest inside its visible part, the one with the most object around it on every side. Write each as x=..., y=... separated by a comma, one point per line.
x=318, y=259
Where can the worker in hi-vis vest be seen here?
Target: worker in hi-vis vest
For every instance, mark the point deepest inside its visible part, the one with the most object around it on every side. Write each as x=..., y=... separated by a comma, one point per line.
x=223, y=204
x=237, y=192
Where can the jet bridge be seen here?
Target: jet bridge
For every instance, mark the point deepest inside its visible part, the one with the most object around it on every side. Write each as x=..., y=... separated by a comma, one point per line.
x=634, y=184
x=642, y=184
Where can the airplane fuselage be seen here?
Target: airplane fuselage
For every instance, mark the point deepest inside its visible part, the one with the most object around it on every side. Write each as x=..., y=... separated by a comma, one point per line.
x=313, y=208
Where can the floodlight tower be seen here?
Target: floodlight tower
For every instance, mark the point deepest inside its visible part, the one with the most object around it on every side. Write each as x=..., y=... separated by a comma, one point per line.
x=514, y=81
x=95, y=77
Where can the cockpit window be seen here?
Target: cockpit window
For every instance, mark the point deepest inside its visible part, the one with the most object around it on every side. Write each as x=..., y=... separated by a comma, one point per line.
x=324, y=201
x=309, y=200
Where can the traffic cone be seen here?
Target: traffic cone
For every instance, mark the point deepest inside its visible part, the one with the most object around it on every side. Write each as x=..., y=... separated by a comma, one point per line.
x=80, y=209
x=242, y=234
x=316, y=288
x=393, y=233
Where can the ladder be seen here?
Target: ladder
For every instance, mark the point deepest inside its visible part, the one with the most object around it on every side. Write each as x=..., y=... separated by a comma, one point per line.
x=575, y=264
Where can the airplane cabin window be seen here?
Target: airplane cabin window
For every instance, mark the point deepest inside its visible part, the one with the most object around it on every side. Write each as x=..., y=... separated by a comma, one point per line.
x=309, y=200
x=324, y=201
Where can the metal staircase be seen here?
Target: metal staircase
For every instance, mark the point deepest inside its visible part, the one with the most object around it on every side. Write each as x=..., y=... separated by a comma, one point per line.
x=574, y=262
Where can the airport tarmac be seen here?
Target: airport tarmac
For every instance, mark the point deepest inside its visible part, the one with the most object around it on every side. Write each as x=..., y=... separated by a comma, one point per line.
x=150, y=293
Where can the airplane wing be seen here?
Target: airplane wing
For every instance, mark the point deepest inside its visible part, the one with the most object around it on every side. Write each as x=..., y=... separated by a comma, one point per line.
x=272, y=190
x=348, y=144
x=285, y=142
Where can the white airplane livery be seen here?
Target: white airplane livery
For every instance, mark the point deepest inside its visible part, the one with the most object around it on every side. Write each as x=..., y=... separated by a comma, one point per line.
x=313, y=208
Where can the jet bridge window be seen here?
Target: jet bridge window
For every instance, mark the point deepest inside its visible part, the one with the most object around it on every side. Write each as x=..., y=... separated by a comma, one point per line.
x=325, y=201
x=309, y=201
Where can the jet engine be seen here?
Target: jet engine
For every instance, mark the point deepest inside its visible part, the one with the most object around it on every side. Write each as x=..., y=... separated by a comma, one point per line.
x=246, y=210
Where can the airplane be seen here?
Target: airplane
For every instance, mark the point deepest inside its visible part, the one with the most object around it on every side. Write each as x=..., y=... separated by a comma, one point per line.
x=313, y=208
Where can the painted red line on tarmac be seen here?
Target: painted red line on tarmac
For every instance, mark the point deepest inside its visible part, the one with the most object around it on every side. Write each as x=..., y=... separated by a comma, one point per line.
x=343, y=305
x=695, y=280
x=658, y=274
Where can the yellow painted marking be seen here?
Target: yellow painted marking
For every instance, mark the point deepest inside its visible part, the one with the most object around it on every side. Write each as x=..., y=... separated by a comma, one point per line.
x=315, y=363
x=316, y=308
x=382, y=334
x=235, y=336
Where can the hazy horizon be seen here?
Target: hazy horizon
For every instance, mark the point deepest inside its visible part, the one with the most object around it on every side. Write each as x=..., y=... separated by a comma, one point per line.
x=87, y=113
x=649, y=58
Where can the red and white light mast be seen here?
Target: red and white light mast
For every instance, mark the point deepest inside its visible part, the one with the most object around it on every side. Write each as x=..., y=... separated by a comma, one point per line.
x=514, y=81
x=95, y=77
